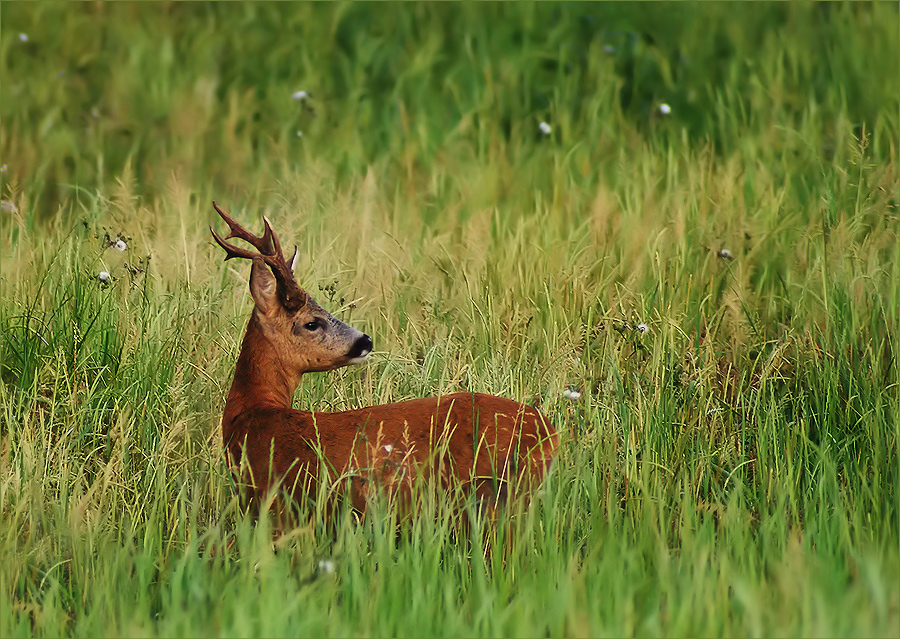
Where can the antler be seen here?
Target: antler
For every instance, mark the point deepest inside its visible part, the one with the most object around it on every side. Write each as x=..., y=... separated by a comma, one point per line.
x=292, y=296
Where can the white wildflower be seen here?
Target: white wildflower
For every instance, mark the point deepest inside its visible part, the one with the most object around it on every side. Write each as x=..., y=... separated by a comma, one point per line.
x=544, y=128
x=23, y=37
x=641, y=328
x=571, y=393
x=665, y=109
x=326, y=566
x=103, y=276
x=299, y=134
x=3, y=168
x=120, y=245
x=300, y=95
x=388, y=448
x=725, y=254
x=8, y=207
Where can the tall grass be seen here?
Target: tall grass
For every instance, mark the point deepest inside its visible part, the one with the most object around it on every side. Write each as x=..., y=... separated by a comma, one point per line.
x=721, y=282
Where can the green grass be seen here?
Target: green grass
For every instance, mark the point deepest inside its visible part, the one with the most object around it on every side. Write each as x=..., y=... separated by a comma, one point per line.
x=731, y=471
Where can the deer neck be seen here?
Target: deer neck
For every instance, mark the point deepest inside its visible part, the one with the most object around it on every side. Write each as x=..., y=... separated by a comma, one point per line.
x=262, y=379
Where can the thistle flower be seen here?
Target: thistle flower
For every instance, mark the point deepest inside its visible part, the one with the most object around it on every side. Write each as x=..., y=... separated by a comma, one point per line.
x=544, y=128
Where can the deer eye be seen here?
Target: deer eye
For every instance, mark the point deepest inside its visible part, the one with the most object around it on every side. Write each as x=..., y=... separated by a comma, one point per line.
x=313, y=325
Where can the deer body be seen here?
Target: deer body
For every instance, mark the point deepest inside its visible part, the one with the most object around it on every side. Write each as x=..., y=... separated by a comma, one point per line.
x=471, y=441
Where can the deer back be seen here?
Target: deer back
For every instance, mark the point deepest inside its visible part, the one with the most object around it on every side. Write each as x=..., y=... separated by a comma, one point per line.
x=478, y=443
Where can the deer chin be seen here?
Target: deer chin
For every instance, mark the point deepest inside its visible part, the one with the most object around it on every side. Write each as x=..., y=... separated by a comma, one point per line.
x=359, y=360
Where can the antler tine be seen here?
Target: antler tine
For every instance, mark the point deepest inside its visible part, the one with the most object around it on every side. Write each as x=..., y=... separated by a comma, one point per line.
x=231, y=249
x=262, y=244
x=276, y=259
x=274, y=238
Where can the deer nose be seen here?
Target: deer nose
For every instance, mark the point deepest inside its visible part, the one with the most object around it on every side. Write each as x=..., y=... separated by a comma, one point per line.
x=361, y=348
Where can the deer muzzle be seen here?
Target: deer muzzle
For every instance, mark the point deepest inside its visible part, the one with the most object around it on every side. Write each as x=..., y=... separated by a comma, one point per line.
x=360, y=350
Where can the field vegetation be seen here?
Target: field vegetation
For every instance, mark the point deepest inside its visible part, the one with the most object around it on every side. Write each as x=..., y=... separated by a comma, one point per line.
x=703, y=239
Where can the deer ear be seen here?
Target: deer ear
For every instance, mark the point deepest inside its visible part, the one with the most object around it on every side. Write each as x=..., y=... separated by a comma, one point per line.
x=263, y=288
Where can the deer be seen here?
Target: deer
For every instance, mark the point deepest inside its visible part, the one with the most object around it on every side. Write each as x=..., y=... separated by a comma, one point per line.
x=467, y=443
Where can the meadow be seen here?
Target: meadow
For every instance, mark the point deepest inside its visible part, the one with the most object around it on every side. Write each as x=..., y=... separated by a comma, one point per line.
x=702, y=238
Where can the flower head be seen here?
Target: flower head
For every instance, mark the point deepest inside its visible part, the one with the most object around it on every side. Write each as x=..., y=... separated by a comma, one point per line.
x=300, y=95
x=103, y=276
x=120, y=245
x=725, y=254
x=665, y=109
x=544, y=128
x=571, y=393
x=326, y=566
x=23, y=37
x=641, y=328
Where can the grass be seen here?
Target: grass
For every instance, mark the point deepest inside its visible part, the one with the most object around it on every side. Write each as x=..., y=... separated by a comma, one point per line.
x=733, y=470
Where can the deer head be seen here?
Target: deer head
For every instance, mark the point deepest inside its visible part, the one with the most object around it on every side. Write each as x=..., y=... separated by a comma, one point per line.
x=304, y=335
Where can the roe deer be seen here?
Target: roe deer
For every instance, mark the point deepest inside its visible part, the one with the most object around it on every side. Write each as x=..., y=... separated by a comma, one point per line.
x=469, y=441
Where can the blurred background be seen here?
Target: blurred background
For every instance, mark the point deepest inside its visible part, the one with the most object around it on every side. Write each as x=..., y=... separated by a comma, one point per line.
x=209, y=92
